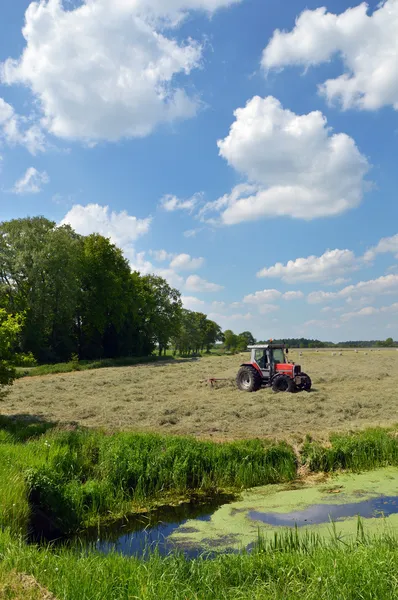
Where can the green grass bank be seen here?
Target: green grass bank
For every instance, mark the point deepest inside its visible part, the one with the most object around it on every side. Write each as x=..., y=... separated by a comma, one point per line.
x=78, y=477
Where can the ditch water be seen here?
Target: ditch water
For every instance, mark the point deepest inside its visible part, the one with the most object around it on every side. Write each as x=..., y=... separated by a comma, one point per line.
x=227, y=525
x=381, y=506
x=142, y=534
x=138, y=536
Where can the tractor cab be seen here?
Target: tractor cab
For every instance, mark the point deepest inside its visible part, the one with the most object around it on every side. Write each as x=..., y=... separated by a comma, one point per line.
x=267, y=355
x=269, y=367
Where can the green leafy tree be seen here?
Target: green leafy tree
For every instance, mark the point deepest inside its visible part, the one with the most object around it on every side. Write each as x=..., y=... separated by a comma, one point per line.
x=163, y=310
x=10, y=328
x=105, y=299
x=39, y=275
x=213, y=334
x=248, y=338
x=231, y=340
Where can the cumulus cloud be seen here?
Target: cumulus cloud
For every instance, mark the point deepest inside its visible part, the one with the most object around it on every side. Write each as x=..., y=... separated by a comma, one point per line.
x=386, y=245
x=387, y=284
x=31, y=183
x=261, y=297
x=161, y=255
x=266, y=296
x=171, y=203
x=194, y=283
x=294, y=164
x=120, y=227
x=293, y=295
x=366, y=43
x=16, y=130
x=369, y=311
x=192, y=303
x=332, y=264
x=106, y=69
x=184, y=262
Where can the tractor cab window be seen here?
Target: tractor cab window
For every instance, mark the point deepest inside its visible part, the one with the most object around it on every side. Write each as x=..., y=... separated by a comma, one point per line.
x=261, y=358
x=278, y=355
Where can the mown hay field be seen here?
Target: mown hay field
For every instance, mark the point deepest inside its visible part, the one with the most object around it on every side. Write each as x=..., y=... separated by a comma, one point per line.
x=350, y=391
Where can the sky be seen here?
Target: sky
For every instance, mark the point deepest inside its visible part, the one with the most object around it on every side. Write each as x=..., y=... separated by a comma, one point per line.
x=244, y=150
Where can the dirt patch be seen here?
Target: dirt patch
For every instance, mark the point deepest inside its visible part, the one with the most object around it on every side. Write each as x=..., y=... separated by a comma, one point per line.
x=351, y=391
x=18, y=586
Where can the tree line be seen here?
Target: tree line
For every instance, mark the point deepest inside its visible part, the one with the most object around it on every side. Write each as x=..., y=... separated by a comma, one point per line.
x=75, y=295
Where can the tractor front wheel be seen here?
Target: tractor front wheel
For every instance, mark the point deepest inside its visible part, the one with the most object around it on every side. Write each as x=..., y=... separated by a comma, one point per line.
x=306, y=383
x=248, y=379
x=283, y=383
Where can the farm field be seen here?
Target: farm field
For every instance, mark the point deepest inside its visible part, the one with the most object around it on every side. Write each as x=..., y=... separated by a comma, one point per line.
x=350, y=391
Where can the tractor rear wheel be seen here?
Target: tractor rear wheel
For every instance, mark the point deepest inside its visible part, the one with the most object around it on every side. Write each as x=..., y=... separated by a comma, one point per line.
x=248, y=379
x=283, y=383
x=306, y=383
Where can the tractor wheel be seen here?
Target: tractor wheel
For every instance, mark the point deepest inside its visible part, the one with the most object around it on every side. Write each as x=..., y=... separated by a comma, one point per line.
x=306, y=382
x=248, y=379
x=283, y=383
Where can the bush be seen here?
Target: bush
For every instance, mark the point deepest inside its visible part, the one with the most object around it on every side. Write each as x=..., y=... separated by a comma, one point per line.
x=24, y=360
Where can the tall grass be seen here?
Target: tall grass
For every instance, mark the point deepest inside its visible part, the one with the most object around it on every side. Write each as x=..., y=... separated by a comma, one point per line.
x=79, y=476
x=366, y=568
x=357, y=451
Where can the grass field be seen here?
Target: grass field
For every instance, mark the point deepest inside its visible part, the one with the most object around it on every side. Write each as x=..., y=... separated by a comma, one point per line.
x=78, y=476
x=351, y=391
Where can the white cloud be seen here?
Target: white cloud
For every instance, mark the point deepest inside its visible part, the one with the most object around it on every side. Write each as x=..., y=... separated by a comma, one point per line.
x=387, y=244
x=31, y=182
x=192, y=232
x=184, y=262
x=261, y=297
x=328, y=309
x=295, y=166
x=120, y=227
x=192, y=303
x=369, y=311
x=387, y=284
x=17, y=130
x=265, y=297
x=194, y=283
x=366, y=43
x=161, y=255
x=338, y=281
x=333, y=263
x=293, y=295
x=171, y=203
x=106, y=68
x=217, y=305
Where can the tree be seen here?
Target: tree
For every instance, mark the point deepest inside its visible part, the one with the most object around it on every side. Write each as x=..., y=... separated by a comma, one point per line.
x=163, y=310
x=39, y=275
x=230, y=340
x=248, y=338
x=213, y=334
x=105, y=300
x=10, y=327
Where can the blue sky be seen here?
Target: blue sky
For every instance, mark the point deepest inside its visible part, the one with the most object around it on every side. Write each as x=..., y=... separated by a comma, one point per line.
x=241, y=163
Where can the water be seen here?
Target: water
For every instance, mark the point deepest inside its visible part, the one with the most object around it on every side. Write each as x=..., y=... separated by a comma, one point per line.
x=380, y=506
x=144, y=533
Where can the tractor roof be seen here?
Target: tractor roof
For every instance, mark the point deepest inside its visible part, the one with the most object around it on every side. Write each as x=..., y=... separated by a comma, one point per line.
x=264, y=346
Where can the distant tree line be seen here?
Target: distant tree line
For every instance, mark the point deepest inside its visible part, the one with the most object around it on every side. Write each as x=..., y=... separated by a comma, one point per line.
x=309, y=343
x=239, y=342
x=78, y=296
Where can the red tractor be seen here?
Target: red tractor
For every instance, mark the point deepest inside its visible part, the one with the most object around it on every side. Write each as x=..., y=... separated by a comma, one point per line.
x=268, y=367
